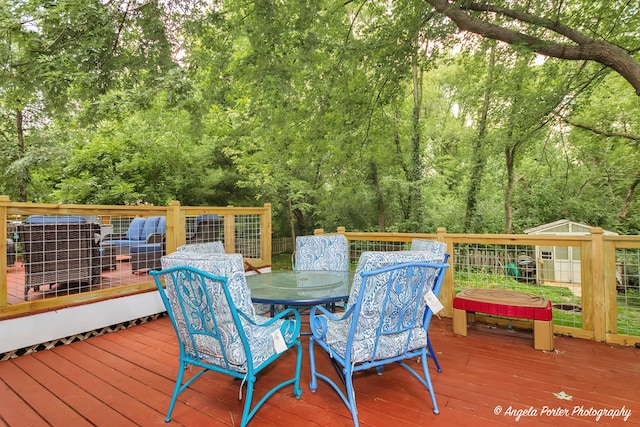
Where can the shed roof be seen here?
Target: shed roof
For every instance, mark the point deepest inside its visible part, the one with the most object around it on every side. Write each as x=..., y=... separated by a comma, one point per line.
x=563, y=226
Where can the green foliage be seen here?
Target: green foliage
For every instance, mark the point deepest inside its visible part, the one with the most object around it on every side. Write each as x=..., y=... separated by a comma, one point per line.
x=309, y=106
x=281, y=262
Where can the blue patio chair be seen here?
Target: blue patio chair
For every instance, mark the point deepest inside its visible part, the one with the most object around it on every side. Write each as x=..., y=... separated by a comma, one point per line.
x=144, y=237
x=437, y=253
x=387, y=321
x=322, y=252
x=210, y=307
x=206, y=228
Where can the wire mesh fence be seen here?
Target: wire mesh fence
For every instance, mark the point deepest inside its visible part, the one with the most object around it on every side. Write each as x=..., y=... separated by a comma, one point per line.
x=552, y=270
x=49, y=256
x=628, y=291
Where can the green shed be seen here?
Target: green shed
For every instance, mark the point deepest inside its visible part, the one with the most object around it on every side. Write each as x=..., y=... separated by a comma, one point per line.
x=560, y=263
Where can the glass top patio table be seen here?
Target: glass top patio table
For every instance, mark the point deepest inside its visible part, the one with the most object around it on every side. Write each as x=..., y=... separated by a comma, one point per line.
x=300, y=288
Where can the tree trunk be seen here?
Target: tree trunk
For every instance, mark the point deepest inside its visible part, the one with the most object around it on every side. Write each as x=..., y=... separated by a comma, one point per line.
x=479, y=156
x=402, y=201
x=415, y=181
x=510, y=159
x=627, y=202
x=292, y=227
x=379, y=198
x=23, y=174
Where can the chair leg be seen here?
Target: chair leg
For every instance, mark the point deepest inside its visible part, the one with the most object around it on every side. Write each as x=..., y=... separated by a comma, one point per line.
x=313, y=385
x=432, y=354
x=176, y=391
x=351, y=395
x=247, y=402
x=297, y=390
x=427, y=379
x=249, y=412
x=348, y=395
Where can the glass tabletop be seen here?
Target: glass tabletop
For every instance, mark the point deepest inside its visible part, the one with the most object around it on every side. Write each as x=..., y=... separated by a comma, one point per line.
x=300, y=287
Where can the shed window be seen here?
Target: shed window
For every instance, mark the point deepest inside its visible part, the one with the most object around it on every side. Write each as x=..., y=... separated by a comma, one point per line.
x=546, y=255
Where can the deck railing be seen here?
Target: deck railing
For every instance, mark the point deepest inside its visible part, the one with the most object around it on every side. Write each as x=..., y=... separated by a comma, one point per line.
x=111, y=273
x=591, y=279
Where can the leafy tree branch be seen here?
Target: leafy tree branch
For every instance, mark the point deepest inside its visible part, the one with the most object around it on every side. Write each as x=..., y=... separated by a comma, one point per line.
x=583, y=48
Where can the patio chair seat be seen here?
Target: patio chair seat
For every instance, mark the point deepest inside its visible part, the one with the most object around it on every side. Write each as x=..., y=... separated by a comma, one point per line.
x=260, y=341
x=149, y=247
x=131, y=244
x=362, y=349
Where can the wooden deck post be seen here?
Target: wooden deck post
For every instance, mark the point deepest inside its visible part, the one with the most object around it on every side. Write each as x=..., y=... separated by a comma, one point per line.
x=266, y=236
x=446, y=292
x=598, y=305
x=175, y=233
x=230, y=232
x=610, y=289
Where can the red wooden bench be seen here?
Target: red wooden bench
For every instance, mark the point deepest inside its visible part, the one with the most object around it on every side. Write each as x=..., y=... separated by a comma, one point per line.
x=500, y=302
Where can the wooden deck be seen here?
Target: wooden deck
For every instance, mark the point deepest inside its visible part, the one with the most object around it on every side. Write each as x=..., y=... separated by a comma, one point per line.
x=126, y=378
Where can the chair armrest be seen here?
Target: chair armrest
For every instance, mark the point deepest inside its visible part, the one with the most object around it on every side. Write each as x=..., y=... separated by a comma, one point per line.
x=318, y=321
x=155, y=238
x=115, y=236
x=290, y=327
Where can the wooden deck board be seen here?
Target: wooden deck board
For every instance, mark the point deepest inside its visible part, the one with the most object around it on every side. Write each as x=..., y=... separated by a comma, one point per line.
x=127, y=378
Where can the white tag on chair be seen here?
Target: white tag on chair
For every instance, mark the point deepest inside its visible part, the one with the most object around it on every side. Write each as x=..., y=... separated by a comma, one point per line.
x=278, y=341
x=433, y=302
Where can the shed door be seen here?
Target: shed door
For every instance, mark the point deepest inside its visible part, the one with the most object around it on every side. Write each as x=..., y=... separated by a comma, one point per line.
x=567, y=264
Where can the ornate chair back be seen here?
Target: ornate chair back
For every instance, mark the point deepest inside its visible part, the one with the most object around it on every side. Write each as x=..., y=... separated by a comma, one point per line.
x=435, y=248
x=322, y=252
x=216, y=247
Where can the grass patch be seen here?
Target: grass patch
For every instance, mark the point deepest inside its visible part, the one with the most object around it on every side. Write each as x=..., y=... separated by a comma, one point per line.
x=281, y=262
x=629, y=312
x=567, y=318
